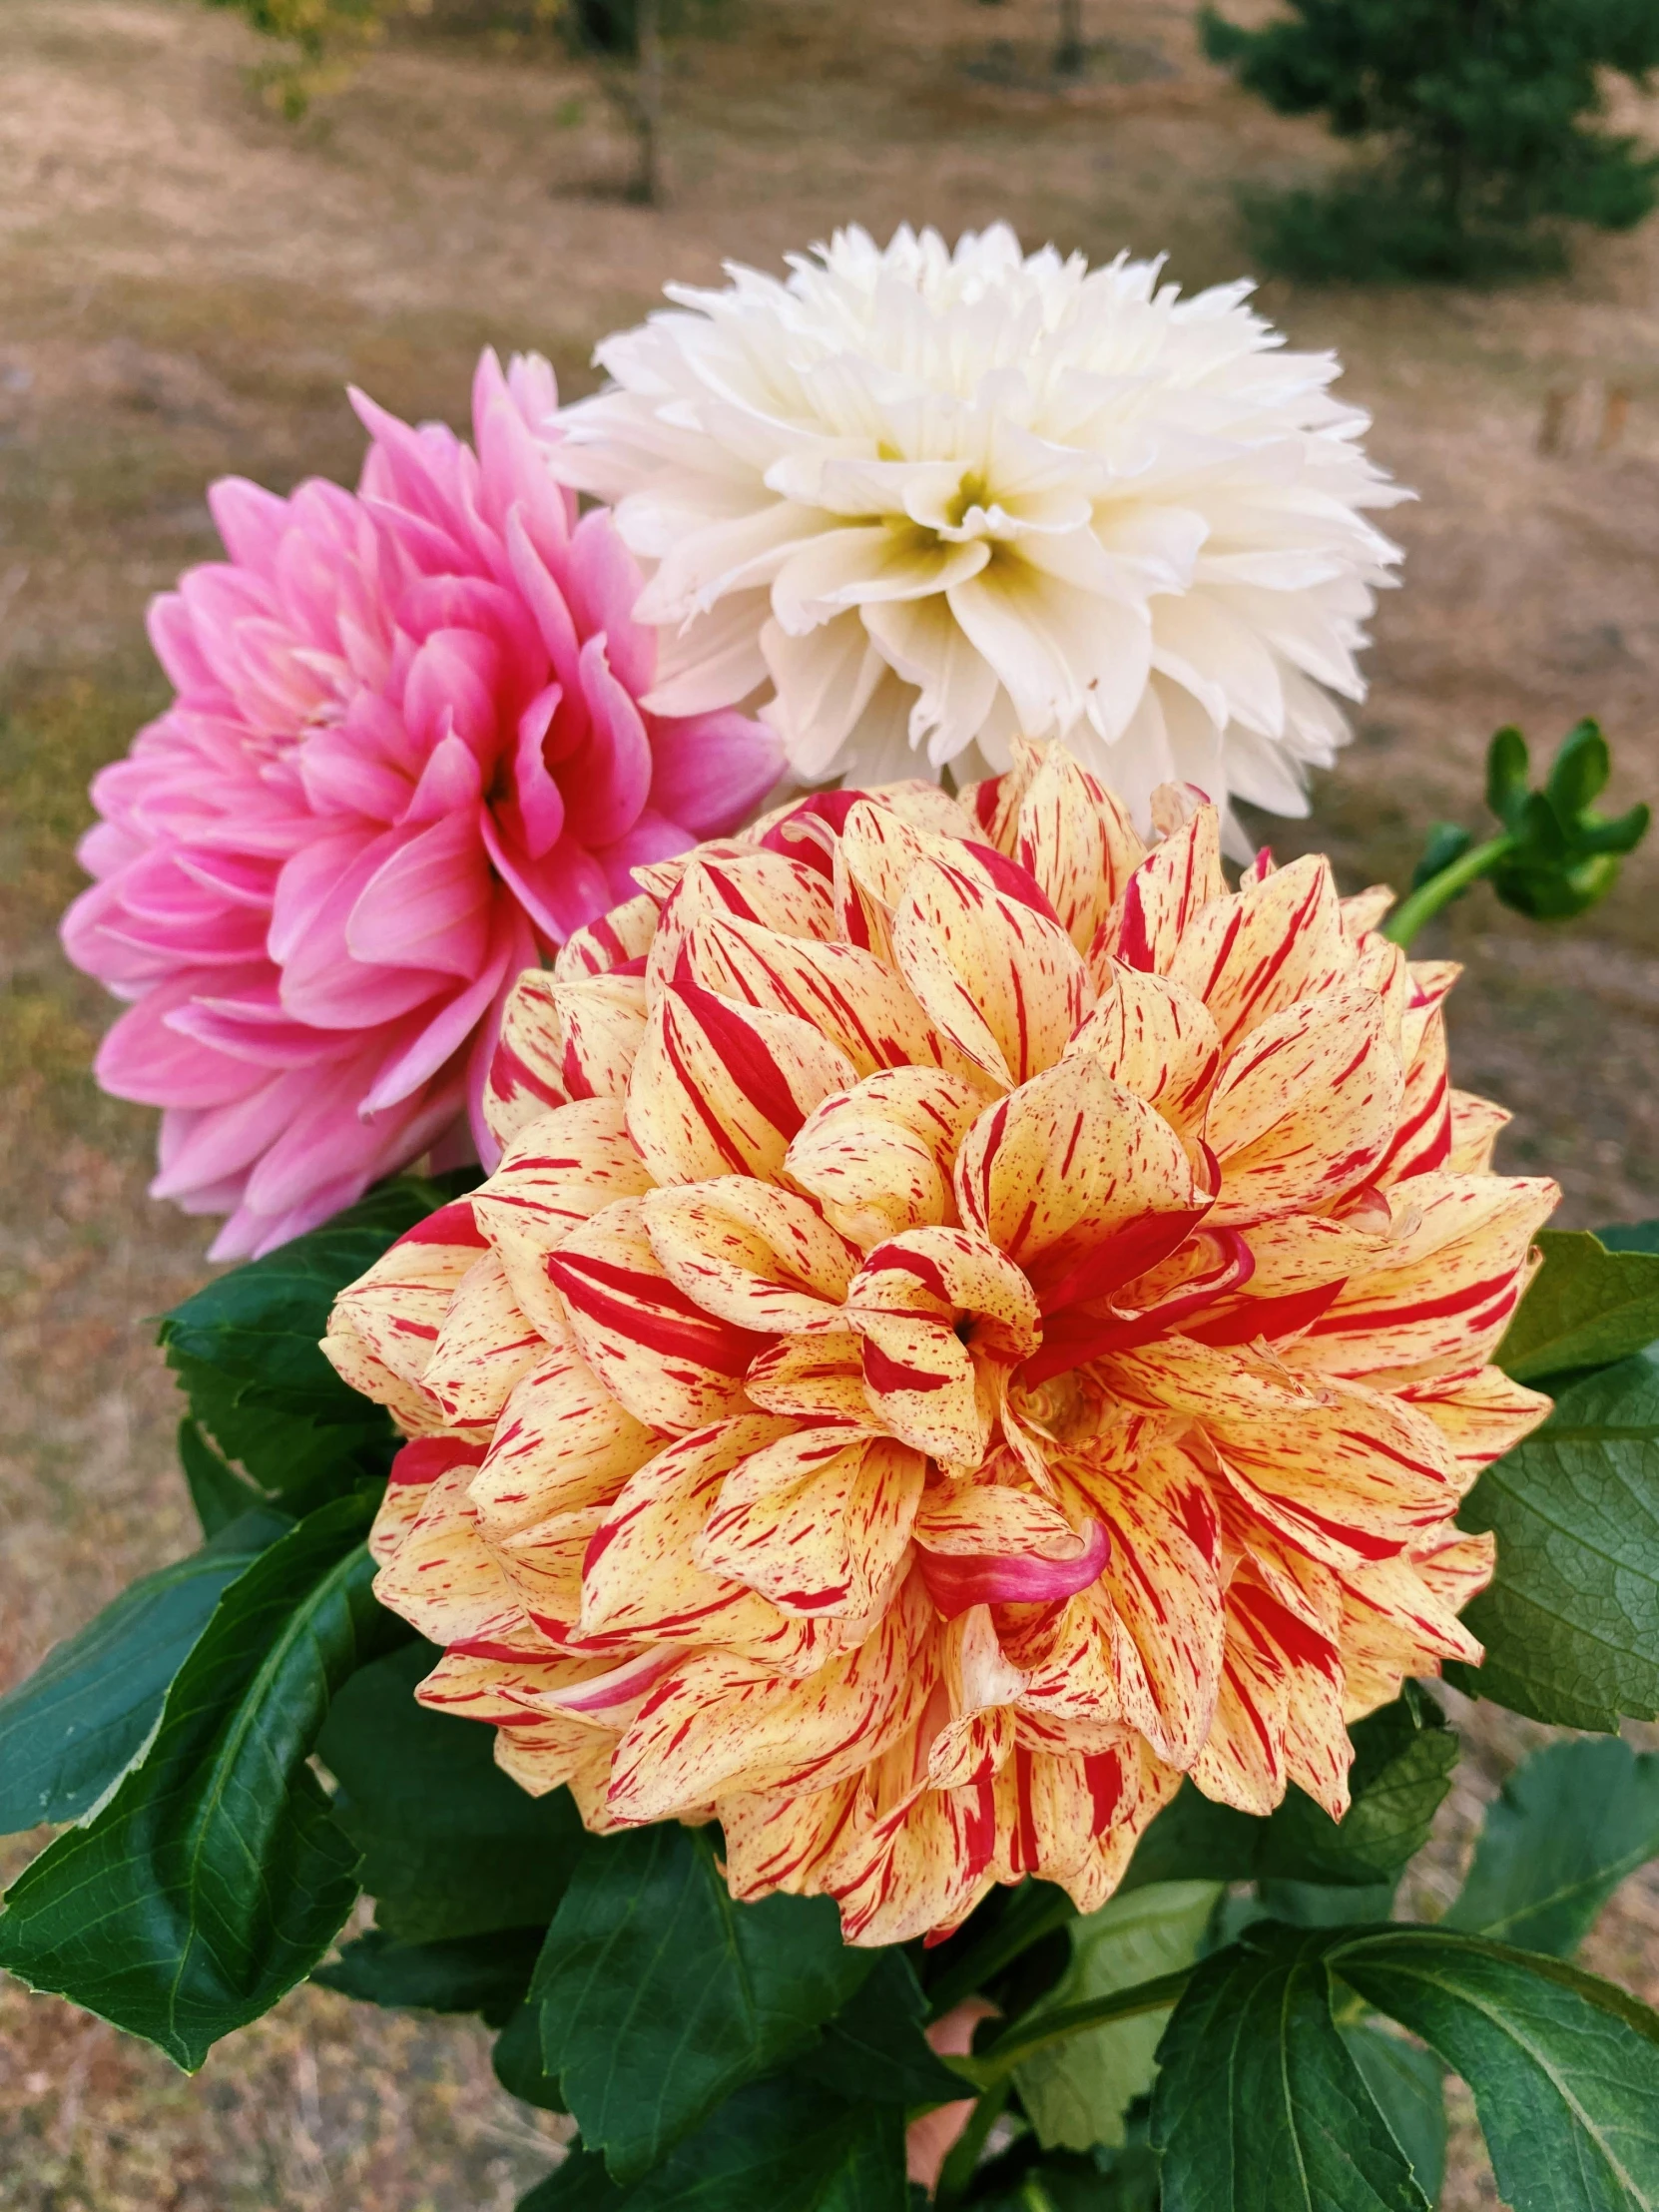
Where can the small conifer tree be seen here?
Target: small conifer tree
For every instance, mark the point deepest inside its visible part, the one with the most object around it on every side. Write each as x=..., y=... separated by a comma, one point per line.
x=1487, y=117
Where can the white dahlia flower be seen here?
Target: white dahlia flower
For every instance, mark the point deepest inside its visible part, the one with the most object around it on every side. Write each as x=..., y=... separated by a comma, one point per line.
x=937, y=500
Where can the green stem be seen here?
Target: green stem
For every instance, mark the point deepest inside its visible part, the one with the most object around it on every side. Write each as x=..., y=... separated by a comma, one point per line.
x=958, y=2169
x=987, y=2068
x=1037, y=1913
x=1426, y=901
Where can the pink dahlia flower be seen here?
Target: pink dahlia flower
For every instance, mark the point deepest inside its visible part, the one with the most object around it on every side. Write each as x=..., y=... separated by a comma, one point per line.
x=407, y=758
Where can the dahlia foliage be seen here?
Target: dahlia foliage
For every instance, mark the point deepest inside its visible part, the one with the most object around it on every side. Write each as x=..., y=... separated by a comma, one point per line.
x=974, y=1321
x=406, y=759
x=936, y=500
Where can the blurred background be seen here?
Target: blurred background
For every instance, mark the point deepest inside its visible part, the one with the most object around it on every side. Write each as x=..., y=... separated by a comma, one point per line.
x=206, y=232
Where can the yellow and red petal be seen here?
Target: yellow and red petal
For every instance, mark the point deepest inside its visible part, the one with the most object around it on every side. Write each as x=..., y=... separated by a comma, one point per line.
x=673, y=1365
x=1002, y=980
x=721, y=1089
x=1151, y=1035
x=562, y=1443
x=643, y=1583
x=1304, y=1110
x=820, y=1521
x=523, y=1082
x=1162, y=899
x=1080, y=1182
x=1444, y=1290
x=751, y=1253
x=878, y=1158
x=1251, y=955
x=1076, y=839
x=560, y=1171
x=387, y=1320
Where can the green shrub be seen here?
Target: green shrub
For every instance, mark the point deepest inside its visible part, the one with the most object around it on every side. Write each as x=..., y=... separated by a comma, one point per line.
x=1484, y=119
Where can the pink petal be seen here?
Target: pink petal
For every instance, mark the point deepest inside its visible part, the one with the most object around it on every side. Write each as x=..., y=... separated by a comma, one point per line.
x=450, y=784
x=956, y=1581
x=172, y=638
x=427, y=905
x=552, y=614
x=653, y=838
x=541, y=807
x=607, y=780
x=451, y=687
x=144, y=1058
x=711, y=769
x=251, y=521
x=605, y=585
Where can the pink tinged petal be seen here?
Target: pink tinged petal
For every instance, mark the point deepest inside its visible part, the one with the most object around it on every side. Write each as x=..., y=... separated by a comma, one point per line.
x=229, y=1138
x=710, y=770
x=541, y=807
x=513, y=471
x=173, y=638
x=451, y=687
x=429, y=904
x=145, y=1058
x=607, y=780
x=956, y=1581
x=251, y=521
x=251, y=1027
x=341, y=776
x=653, y=838
x=561, y=892
x=450, y=784
x=449, y=1028
x=553, y=618
x=324, y=1137
x=417, y=467
x=605, y=582
x=316, y=891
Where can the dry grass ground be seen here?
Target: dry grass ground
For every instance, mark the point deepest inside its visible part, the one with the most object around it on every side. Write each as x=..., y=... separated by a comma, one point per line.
x=186, y=283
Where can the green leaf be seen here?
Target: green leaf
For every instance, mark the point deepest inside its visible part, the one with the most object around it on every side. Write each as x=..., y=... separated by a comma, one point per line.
x=450, y=1844
x=1409, y=2085
x=778, y=2146
x=79, y=1721
x=1403, y=1756
x=1571, y=1619
x=246, y=1350
x=1259, y=2106
x=1631, y=1236
x=875, y=2050
x=1586, y=1307
x=1076, y=2093
x=219, y=1494
x=1578, y=775
x=214, y=1879
x=1564, y=2069
x=518, y=2063
x=1402, y=1760
x=468, y=1974
x=1507, y=772
x=1445, y=842
x=785, y=2146
x=659, y=1996
x=1571, y=1822
x=579, y=2183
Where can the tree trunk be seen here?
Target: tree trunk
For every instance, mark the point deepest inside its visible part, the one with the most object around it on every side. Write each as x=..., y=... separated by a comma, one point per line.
x=647, y=177
x=1069, y=52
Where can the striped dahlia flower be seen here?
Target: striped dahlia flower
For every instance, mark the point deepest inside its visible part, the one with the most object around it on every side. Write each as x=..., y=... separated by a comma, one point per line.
x=976, y=1321
x=407, y=754
x=937, y=500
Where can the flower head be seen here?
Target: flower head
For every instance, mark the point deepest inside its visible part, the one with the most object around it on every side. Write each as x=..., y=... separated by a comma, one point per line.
x=939, y=498
x=976, y=1321
x=407, y=753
